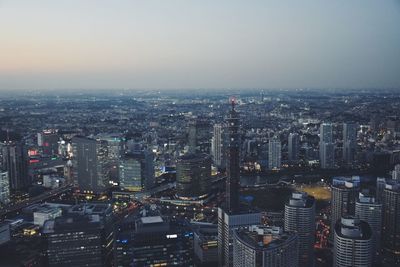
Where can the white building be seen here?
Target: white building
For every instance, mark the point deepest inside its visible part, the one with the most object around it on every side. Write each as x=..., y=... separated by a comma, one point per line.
x=274, y=154
x=46, y=213
x=4, y=188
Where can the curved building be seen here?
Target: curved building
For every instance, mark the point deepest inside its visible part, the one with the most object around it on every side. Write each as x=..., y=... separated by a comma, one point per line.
x=193, y=174
x=265, y=247
x=353, y=243
x=300, y=218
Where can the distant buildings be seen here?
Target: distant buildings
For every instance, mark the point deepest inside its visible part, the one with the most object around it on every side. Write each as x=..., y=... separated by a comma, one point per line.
x=300, y=219
x=136, y=171
x=274, y=154
x=264, y=246
x=193, y=174
x=15, y=162
x=344, y=195
x=326, y=147
x=349, y=142
x=293, y=147
x=4, y=188
x=353, y=243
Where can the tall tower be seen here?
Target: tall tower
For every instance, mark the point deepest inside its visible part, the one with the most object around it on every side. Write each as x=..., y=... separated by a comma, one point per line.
x=369, y=210
x=326, y=147
x=233, y=164
x=352, y=243
x=349, y=142
x=300, y=218
x=344, y=194
x=274, y=154
x=230, y=217
x=293, y=147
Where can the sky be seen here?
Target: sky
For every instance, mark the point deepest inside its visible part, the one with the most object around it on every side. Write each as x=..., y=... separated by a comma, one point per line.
x=179, y=44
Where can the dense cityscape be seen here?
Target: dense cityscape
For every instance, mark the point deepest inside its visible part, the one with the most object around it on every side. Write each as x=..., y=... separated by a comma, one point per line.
x=200, y=178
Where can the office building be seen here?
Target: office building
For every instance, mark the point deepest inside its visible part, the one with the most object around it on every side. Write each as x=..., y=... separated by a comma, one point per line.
x=83, y=237
x=300, y=218
x=370, y=211
x=46, y=213
x=4, y=188
x=391, y=219
x=293, y=147
x=264, y=246
x=193, y=174
x=205, y=240
x=217, y=146
x=199, y=136
x=154, y=241
x=48, y=141
x=136, y=171
x=352, y=243
x=349, y=142
x=232, y=216
x=344, y=194
x=274, y=154
x=15, y=162
x=326, y=147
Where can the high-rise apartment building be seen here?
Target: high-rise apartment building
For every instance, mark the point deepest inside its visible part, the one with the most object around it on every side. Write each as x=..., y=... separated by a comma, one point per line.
x=344, y=194
x=326, y=147
x=199, y=136
x=217, y=146
x=353, y=243
x=293, y=147
x=264, y=246
x=349, y=142
x=300, y=218
x=274, y=154
x=370, y=211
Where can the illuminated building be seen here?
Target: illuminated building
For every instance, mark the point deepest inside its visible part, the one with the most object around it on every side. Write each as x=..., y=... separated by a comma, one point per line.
x=274, y=154
x=264, y=246
x=193, y=174
x=4, y=188
x=353, y=243
x=136, y=171
x=48, y=141
x=217, y=148
x=206, y=246
x=154, y=241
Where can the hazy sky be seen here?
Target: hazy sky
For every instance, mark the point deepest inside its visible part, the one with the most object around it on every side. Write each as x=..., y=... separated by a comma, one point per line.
x=199, y=44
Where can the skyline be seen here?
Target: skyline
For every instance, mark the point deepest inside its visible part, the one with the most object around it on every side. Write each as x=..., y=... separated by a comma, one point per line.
x=179, y=44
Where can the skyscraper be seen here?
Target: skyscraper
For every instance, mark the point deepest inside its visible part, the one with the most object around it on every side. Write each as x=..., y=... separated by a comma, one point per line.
x=274, y=154
x=370, y=211
x=326, y=147
x=193, y=174
x=300, y=218
x=391, y=219
x=15, y=162
x=352, y=243
x=349, y=142
x=396, y=172
x=344, y=195
x=264, y=246
x=4, y=188
x=217, y=146
x=48, y=141
x=230, y=216
x=136, y=171
x=199, y=136
x=293, y=147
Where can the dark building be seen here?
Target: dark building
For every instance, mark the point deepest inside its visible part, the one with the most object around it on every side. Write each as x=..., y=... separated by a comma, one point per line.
x=15, y=162
x=199, y=139
x=83, y=237
x=206, y=246
x=193, y=174
x=293, y=147
x=154, y=241
x=349, y=142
